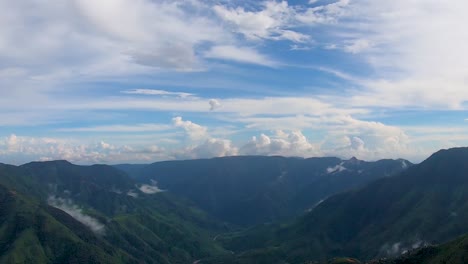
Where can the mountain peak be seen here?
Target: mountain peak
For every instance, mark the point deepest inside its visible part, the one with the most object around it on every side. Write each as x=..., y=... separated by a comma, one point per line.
x=352, y=161
x=56, y=162
x=452, y=158
x=452, y=152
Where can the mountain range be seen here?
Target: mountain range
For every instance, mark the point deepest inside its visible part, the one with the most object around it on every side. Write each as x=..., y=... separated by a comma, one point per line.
x=425, y=204
x=250, y=190
x=249, y=209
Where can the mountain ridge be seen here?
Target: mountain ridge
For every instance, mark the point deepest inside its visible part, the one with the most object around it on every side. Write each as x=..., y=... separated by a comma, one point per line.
x=427, y=203
x=102, y=204
x=249, y=190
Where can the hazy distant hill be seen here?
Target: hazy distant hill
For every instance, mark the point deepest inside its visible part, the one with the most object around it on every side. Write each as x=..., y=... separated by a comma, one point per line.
x=249, y=190
x=57, y=212
x=428, y=203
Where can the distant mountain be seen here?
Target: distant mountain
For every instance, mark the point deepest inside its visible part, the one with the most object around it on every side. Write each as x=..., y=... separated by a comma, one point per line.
x=57, y=212
x=426, y=204
x=249, y=190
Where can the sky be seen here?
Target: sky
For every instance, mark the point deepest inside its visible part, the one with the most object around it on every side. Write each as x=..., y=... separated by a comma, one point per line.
x=139, y=81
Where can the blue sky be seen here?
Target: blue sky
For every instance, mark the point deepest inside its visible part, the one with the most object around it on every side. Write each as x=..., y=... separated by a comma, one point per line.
x=139, y=81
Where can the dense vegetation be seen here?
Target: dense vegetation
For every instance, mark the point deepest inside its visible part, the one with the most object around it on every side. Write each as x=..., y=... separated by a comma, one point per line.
x=454, y=252
x=57, y=212
x=428, y=203
x=117, y=223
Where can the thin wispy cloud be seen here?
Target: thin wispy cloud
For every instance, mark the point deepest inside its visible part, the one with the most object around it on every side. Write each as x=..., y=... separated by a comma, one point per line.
x=120, y=128
x=157, y=92
x=240, y=54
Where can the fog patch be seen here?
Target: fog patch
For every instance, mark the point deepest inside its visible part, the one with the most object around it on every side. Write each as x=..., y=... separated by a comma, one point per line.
x=132, y=193
x=315, y=205
x=399, y=248
x=404, y=165
x=150, y=189
x=115, y=190
x=393, y=250
x=74, y=211
x=337, y=168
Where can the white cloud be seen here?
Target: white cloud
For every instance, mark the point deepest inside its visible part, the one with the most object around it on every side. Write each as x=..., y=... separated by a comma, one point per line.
x=124, y=37
x=271, y=22
x=239, y=54
x=282, y=106
x=74, y=211
x=212, y=147
x=292, y=143
x=324, y=14
x=358, y=46
x=120, y=128
x=337, y=168
x=298, y=47
x=341, y=136
x=132, y=193
x=194, y=131
x=25, y=149
x=415, y=49
x=150, y=189
x=150, y=29
x=158, y=92
x=349, y=137
x=105, y=37
x=214, y=104
x=12, y=143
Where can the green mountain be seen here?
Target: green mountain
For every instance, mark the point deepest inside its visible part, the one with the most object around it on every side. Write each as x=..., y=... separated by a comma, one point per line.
x=454, y=252
x=57, y=212
x=426, y=204
x=249, y=190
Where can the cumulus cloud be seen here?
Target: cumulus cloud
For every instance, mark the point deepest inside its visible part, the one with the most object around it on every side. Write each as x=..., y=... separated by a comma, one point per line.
x=349, y=137
x=26, y=149
x=74, y=211
x=194, y=131
x=202, y=144
x=292, y=143
x=346, y=137
x=213, y=147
